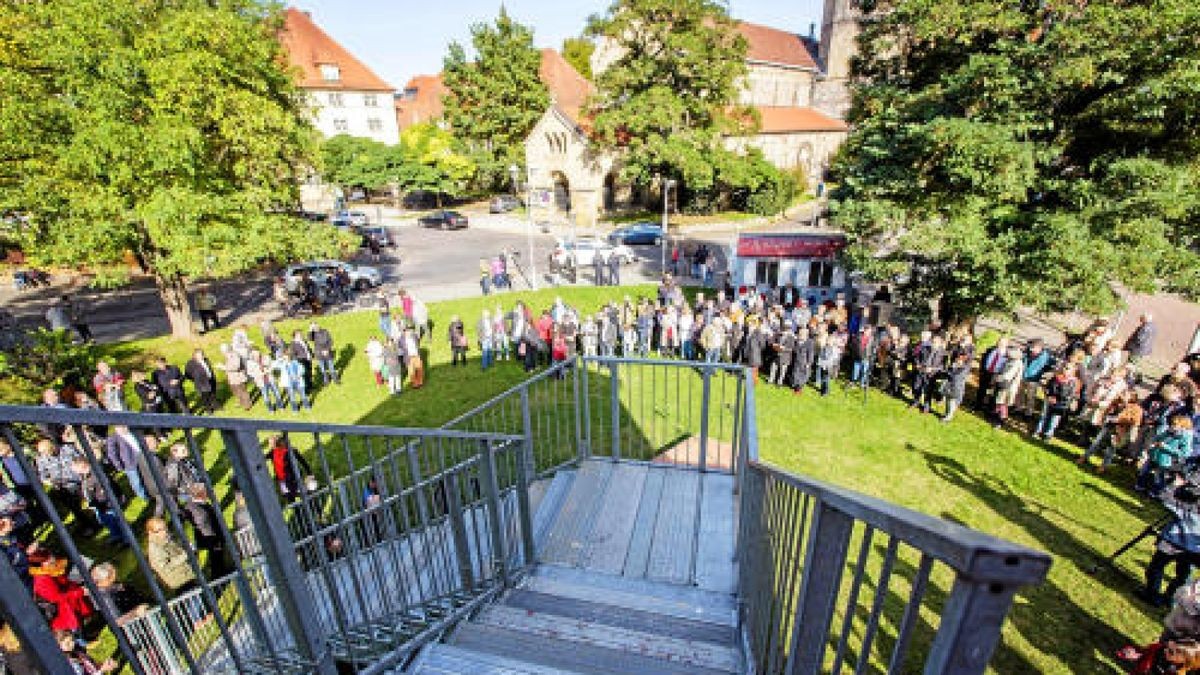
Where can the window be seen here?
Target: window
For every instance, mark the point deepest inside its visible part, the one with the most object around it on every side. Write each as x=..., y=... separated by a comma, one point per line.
x=375, y=124
x=370, y=100
x=335, y=100
x=820, y=273
x=341, y=125
x=766, y=273
x=409, y=94
x=330, y=72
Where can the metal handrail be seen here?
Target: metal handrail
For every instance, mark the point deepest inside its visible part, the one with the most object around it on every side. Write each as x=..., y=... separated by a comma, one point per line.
x=75, y=416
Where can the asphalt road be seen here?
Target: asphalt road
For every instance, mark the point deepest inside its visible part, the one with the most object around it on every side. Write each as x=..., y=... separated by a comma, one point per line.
x=433, y=264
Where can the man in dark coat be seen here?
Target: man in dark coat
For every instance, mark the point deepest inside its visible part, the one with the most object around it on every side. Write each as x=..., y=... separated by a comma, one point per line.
x=929, y=363
x=785, y=346
x=756, y=344
x=802, y=360
x=201, y=373
x=322, y=342
x=599, y=268
x=170, y=380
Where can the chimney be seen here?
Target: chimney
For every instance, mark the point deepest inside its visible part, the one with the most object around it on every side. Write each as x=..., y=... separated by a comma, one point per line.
x=812, y=30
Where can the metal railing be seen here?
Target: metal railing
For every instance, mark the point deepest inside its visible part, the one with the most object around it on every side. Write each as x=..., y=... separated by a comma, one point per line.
x=378, y=539
x=801, y=613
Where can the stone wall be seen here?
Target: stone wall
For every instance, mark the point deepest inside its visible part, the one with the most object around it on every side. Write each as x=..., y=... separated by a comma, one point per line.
x=767, y=85
x=809, y=150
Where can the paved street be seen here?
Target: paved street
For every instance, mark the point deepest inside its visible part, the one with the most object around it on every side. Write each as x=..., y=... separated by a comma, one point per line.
x=433, y=264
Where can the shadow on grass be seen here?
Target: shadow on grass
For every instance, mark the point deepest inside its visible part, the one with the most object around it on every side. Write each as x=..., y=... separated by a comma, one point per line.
x=1047, y=603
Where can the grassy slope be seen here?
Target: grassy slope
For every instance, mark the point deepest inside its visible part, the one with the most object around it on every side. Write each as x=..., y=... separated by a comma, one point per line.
x=965, y=471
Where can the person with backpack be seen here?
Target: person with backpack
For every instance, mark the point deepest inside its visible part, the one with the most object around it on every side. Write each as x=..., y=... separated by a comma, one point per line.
x=235, y=373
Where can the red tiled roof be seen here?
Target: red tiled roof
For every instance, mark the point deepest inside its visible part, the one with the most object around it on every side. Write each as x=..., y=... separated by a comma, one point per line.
x=776, y=46
x=308, y=47
x=789, y=245
x=568, y=89
x=779, y=120
x=426, y=103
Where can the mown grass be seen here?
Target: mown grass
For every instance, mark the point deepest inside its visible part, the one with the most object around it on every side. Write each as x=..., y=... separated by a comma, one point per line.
x=996, y=481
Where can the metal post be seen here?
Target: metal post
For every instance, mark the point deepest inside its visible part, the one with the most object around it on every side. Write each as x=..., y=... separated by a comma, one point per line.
x=749, y=446
x=580, y=450
x=295, y=598
x=705, y=398
x=584, y=396
x=524, y=509
x=491, y=488
x=458, y=530
x=527, y=457
x=533, y=277
x=23, y=615
x=823, y=562
x=615, y=387
x=974, y=615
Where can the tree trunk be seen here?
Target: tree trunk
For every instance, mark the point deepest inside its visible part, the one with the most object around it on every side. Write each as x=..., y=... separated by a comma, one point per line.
x=173, y=292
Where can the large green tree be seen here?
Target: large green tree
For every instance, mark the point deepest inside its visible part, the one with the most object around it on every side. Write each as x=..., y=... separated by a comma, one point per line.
x=578, y=52
x=496, y=98
x=1026, y=153
x=166, y=132
x=664, y=103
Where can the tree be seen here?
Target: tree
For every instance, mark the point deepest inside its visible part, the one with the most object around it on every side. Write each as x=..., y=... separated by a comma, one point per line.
x=1015, y=154
x=664, y=104
x=433, y=161
x=169, y=132
x=354, y=161
x=495, y=100
x=578, y=52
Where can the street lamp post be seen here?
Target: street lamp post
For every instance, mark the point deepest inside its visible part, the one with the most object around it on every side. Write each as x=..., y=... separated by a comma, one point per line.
x=515, y=171
x=662, y=252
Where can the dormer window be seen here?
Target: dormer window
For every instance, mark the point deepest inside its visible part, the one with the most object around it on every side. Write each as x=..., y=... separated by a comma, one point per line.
x=330, y=72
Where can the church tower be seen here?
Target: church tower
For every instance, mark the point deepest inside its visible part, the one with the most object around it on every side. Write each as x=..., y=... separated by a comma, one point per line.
x=839, y=35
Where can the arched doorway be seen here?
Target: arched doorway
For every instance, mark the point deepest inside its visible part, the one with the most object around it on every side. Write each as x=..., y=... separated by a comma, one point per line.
x=562, y=191
x=610, y=192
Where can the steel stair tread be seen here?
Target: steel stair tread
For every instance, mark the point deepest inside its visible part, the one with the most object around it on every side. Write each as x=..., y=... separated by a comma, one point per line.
x=573, y=656
x=620, y=617
x=685, y=602
x=441, y=658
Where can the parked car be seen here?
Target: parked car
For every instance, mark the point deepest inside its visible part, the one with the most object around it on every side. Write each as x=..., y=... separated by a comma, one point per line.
x=582, y=252
x=425, y=199
x=445, y=220
x=362, y=277
x=637, y=233
x=345, y=218
x=377, y=232
x=504, y=204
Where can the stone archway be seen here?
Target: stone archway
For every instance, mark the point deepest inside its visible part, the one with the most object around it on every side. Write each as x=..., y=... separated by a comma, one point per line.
x=562, y=191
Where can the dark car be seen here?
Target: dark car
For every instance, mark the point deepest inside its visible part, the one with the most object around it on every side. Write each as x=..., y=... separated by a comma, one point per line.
x=504, y=204
x=377, y=232
x=444, y=220
x=637, y=233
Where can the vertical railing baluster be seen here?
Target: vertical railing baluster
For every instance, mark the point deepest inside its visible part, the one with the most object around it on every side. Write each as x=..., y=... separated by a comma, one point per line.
x=584, y=396
x=491, y=488
x=295, y=597
x=458, y=531
x=824, y=559
x=615, y=408
x=705, y=402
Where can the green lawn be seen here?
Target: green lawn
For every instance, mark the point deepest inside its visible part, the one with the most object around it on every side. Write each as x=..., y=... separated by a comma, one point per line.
x=966, y=471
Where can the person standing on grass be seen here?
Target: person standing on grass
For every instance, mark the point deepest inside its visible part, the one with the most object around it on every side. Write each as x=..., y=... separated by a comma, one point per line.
x=322, y=342
x=303, y=352
x=374, y=352
x=110, y=387
x=1061, y=393
x=293, y=370
x=170, y=380
x=235, y=374
x=1037, y=363
x=412, y=359
x=204, y=379
x=989, y=367
x=484, y=330
x=1169, y=446
x=457, y=334
x=589, y=337
x=802, y=360
x=168, y=558
x=103, y=503
x=147, y=392
x=1119, y=427
x=501, y=344
x=393, y=366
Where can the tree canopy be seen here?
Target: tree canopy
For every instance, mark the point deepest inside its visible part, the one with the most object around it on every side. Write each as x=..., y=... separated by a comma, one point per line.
x=578, y=52
x=167, y=131
x=664, y=103
x=1025, y=153
x=427, y=158
x=494, y=100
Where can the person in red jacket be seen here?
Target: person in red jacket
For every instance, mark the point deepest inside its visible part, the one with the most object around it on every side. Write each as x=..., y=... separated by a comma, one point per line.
x=52, y=587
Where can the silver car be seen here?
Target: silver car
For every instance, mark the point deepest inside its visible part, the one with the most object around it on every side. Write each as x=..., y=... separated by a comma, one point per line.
x=362, y=277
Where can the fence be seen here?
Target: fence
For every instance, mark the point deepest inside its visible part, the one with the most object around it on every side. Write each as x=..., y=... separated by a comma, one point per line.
x=373, y=545
x=685, y=413
x=798, y=604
